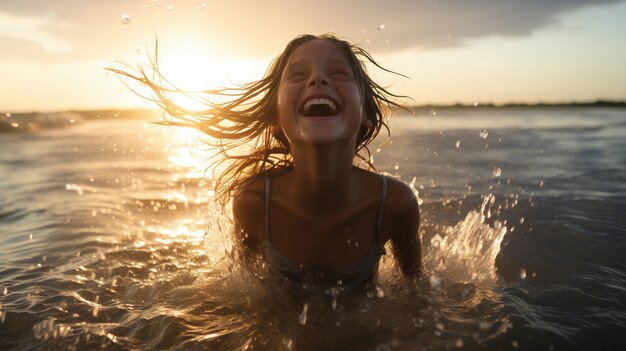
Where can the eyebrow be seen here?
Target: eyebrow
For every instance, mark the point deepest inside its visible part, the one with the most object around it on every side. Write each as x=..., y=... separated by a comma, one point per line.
x=299, y=63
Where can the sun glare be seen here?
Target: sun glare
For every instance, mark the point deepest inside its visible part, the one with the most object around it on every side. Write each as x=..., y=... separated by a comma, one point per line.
x=195, y=70
x=188, y=151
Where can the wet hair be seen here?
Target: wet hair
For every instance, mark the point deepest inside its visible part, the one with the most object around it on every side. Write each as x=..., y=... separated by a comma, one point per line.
x=246, y=120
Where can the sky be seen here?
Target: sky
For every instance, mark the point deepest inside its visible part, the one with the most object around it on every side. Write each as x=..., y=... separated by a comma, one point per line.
x=53, y=53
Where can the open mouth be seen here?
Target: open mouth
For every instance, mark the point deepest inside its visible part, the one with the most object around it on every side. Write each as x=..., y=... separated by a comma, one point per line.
x=320, y=107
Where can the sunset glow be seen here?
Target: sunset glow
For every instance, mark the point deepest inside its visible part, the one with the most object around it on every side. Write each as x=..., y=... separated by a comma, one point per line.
x=54, y=53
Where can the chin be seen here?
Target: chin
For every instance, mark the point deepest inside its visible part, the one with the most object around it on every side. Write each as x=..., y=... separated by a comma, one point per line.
x=325, y=138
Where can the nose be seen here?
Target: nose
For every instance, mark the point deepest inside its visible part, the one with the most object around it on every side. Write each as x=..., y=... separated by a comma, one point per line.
x=318, y=79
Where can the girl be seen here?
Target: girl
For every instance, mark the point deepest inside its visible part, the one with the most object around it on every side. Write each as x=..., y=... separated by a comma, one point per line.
x=299, y=200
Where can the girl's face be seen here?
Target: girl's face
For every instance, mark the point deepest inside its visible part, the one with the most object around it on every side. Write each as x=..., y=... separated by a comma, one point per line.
x=318, y=98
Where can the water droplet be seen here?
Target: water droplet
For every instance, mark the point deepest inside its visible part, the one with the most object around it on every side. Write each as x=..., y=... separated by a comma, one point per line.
x=202, y=6
x=140, y=50
x=521, y=220
x=484, y=325
x=157, y=2
x=397, y=166
x=382, y=27
x=125, y=19
x=6, y=291
x=458, y=144
x=170, y=8
x=74, y=187
x=475, y=104
x=302, y=317
x=483, y=134
x=514, y=343
x=380, y=293
x=8, y=114
x=522, y=273
x=334, y=303
x=288, y=343
x=434, y=281
x=439, y=326
x=458, y=344
x=497, y=172
x=30, y=237
x=96, y=310
x=541, y=183
x=435, y=242
x=15, y=125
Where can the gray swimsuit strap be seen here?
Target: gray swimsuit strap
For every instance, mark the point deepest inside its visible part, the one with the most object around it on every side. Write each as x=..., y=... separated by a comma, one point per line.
x=379, y=214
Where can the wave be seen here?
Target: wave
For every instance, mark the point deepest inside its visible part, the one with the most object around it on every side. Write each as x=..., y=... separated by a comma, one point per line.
x=33, y=122
x=36, y=121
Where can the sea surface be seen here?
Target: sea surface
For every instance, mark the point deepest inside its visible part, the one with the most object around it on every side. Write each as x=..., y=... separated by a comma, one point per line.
x=110, y=238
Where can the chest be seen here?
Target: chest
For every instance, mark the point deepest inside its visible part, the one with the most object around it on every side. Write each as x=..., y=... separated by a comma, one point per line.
x=333, y=242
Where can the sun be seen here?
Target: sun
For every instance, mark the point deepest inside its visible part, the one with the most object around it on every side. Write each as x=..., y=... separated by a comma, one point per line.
x=194, y=70
x=193, y=73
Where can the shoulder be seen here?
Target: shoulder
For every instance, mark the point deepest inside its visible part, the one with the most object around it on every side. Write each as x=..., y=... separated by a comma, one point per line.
x=400, y=197
x=401, y=207
x=403, y=220
x=249, y=206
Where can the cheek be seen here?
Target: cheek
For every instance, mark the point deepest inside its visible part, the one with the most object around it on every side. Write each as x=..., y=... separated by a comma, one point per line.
x=285, y=99
x=280, y=97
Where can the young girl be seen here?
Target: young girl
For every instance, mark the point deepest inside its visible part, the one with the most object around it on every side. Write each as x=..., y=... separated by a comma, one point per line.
x=299, y=201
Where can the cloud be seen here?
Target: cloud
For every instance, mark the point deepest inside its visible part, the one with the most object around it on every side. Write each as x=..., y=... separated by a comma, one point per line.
x=262, y=28
x=425, y=24
x=33, y=30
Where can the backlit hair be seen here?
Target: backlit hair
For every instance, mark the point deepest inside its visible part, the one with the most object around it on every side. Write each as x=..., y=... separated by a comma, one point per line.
x=251, y=110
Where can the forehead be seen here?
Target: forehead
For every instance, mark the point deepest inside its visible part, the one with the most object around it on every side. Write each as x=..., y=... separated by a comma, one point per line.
x=318, y=50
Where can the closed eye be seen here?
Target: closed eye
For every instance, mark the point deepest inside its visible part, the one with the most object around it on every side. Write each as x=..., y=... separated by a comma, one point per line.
x=297, y=75
x=341, y=75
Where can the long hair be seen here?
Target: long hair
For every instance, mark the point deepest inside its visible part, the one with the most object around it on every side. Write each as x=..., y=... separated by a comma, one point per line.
x=251, y=110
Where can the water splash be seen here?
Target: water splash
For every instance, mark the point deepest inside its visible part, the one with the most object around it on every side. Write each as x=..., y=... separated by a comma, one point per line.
x=467, y=252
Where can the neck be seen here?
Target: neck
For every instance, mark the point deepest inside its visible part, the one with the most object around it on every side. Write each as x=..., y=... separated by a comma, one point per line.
x=322, y=181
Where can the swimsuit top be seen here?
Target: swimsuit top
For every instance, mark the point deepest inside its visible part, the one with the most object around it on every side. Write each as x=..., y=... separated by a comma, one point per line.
x=360, y=273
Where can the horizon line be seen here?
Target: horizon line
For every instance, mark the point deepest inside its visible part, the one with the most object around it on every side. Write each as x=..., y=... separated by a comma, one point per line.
x=474, y=105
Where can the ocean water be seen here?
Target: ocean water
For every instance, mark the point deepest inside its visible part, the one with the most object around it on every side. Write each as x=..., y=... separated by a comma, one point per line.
x=110, y=238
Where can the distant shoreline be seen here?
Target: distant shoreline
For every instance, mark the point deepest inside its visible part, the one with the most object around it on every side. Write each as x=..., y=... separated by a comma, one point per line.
x=97, y=113
x=489, y=105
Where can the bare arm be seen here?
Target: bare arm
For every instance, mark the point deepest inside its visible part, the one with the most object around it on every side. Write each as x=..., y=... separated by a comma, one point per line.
x=405, y=239
x=248, y=215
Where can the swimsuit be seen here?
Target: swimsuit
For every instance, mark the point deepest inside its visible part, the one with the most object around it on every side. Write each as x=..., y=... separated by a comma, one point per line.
x=360, y=273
